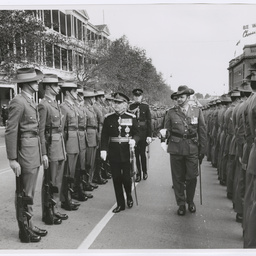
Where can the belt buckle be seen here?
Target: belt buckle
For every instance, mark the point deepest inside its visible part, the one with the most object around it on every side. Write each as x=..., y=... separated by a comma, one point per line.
x=185, y=136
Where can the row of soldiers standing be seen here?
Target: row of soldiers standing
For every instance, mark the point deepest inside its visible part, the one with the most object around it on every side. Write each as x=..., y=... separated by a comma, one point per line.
x=64, y=138
x=231, y=124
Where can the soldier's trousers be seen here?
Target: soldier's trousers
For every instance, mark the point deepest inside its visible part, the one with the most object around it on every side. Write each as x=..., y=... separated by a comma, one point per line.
x=184, y=174
x=231, y=166
x=29, y=179
x=90, y=161
x=69, y=170
x=140, y=153
x=121, y=178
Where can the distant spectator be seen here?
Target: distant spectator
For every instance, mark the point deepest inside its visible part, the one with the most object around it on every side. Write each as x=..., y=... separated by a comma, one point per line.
x=4, y=114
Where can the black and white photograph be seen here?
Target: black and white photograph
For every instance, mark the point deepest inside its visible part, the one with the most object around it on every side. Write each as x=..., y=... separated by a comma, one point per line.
x=128, y=127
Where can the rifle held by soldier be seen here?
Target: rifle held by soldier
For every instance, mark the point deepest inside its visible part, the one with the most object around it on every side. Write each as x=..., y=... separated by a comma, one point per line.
x=23, y=216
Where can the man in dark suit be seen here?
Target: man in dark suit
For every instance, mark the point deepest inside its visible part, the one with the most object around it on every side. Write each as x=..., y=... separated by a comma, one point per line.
x=142, y=112
x=23, y=143
x=119, y=133
x=185, y=131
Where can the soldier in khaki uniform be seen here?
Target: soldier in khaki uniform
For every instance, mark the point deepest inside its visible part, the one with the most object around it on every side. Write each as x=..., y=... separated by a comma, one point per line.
x=23, y=143
x=53, y=148
x=92, y=137
x=71, y=137
x=185, y=131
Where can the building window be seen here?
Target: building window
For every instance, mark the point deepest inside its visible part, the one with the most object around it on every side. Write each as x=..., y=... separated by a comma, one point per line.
x=63, y=23
x=88, y=34
x=70, y=60
x=47, y=18
x=69, y=17
x=56, y=56
x=84, y=33
x=64, y=59
x=79, y=30
x=55, y=17
x=253, y=49
x=48, y=55
x=75, y=27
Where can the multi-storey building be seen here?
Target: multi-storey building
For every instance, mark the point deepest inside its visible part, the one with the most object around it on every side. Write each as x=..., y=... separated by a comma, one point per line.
x=77, y=43
x=242, y=69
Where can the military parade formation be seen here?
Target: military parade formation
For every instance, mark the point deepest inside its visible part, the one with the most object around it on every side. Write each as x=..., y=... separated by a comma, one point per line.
x=231, y=150
x=81, y=143
x=91, y=137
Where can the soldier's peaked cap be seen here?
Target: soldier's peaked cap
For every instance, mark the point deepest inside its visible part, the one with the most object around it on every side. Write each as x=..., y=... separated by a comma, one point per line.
x=137, y=92
x=24, y=75
x=120, y=97
x=51, y=79
x=88, y=94
x=100, y=93
x=69, y=84
x=183, y=89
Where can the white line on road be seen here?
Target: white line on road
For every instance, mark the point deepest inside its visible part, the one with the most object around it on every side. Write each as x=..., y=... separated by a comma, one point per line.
x=98, y=228
x=5, y=170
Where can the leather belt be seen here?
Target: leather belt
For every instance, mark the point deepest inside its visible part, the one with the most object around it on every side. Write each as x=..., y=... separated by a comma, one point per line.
x=91, y=127
x=119, y=139
x=29, y=134
x=81, y=128
x=71, y=128
x=184, y=136
x=54, y=130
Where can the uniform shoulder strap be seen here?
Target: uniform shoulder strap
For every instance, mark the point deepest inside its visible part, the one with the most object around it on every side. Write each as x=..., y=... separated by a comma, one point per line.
x=130, y=114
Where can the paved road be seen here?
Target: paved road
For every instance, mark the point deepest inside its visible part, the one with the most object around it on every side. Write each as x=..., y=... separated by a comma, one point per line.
x=153, y=224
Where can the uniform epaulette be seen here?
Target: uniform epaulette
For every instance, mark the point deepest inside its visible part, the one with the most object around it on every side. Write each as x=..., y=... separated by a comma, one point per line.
x=130, y=114
x=109, y=114
x=144, y=102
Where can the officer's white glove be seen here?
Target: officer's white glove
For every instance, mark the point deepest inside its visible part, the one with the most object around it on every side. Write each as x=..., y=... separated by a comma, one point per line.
x=149, y=140
x=132, y=143
x=163, y=132
x=164, y=146
x=103, y=155
x=45, y=162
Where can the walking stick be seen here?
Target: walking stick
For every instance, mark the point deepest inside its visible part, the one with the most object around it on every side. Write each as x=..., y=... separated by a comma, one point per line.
x=200, y=184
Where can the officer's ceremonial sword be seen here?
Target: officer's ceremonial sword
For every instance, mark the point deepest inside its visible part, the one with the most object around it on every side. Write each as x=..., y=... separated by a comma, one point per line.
x=200, y=183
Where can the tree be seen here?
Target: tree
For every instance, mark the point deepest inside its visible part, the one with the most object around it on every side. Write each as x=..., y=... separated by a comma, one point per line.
x=207, y=96
x=123, y=68
x=22, y=37
x=199, y=95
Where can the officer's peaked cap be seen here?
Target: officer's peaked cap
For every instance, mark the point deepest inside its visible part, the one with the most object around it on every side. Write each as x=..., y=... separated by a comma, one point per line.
x=120, y=97
x=183, y=89
x=51, y=79
x=24, y=75
x=137, y=92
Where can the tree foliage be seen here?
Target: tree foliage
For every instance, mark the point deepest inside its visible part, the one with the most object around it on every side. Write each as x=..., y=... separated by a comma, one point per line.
x=124, y=68
x=21, y=39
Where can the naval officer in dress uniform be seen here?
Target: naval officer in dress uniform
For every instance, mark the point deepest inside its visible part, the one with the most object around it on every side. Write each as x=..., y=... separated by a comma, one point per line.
x=185, y=131
x=119, y=133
